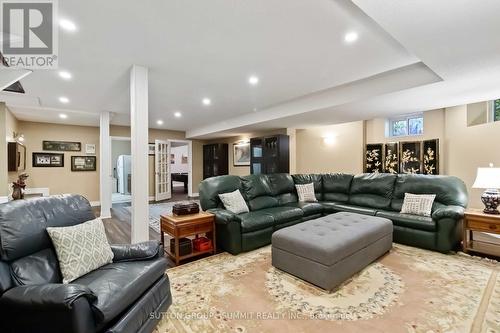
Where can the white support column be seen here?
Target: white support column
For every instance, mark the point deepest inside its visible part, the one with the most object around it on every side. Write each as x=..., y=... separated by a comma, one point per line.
x=105, y=166
x=139, y=126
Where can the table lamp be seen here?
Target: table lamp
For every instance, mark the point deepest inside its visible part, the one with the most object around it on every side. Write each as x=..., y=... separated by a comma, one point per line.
x=489, y=179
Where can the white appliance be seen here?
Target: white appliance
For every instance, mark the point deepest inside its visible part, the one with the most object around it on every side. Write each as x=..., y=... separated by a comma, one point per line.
x=122, y=172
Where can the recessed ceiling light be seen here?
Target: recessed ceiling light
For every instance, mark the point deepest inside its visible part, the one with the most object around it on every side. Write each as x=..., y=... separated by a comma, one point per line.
x=64, y=100
x=253, y=80
x=63, y=116
x=177, y=114
x=159, y=122
x=351, y=37
x=206, y=101
x=67, y=25
x=65, y=75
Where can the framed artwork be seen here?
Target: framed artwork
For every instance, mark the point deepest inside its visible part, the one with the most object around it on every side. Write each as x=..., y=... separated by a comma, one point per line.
x=90, y=148
x=374, y=158
x=83, y=163
x=184, y=159
x=411, y=157
x=151, y=149
x=172, y=158
x=241, y=154
x=391, y=160
x=431, y=157
x=48, y=160
x=62, y=146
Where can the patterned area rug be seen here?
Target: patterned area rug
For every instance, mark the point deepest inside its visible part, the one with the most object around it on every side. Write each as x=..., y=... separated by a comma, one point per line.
x=155, y=210
x=407, y=290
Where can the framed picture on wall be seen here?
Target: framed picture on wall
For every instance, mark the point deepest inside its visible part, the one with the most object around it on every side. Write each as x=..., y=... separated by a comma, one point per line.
x=151, y=149
x=431, y=157
x=374, y=158
x=83, y=163
x=241, y=154
x=62, y=146
x=391, y=159
x=48, y=160
x=90, y=148
x=411, y=157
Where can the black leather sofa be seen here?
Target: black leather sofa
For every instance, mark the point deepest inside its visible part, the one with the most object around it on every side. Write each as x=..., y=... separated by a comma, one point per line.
x=273, y=204
x=124, y=296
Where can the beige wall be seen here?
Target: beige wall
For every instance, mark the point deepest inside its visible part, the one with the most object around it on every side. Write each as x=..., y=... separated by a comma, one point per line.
x=468, y=148
x=344, y=154
x=434, y=128
x=61, y=180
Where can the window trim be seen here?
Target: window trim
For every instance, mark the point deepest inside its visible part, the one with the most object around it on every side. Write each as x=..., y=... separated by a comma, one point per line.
x=406, y=118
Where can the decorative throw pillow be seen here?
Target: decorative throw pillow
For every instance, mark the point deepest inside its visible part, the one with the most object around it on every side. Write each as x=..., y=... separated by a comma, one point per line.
x=306, y=192
x=418, y=204
x=234, y=202
x=81, y=248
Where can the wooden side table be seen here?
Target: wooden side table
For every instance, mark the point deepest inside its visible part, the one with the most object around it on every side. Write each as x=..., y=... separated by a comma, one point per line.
x=179, y=226
x=476, y=220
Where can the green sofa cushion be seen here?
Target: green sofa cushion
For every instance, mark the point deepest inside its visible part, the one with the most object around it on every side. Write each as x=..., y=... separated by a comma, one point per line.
x=283, y=214
x=336, y=186
x=449, y=190
x=309, y=208
x=311, y=178
x=409, y=221
x=372, y=190
x=257, y=191
x=210, y=189
x=281, y=183
x=334, y=207
x=255, y=221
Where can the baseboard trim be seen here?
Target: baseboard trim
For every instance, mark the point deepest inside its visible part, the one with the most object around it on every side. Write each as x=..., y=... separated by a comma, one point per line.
x=4, y=200
x=194, y=195
x=95, y=203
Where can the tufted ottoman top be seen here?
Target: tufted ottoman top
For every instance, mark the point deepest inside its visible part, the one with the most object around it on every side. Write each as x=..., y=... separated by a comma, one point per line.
x=332, y=238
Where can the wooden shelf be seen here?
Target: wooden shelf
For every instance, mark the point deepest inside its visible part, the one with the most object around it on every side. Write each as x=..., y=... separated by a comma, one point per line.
x=192, y=254
x=483, y=247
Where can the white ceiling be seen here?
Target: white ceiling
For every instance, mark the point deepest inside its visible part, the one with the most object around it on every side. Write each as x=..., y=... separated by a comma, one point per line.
x=411, y=56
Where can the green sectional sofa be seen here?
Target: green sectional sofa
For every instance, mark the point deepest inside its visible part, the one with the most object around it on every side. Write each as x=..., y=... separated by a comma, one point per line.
x=273, y=204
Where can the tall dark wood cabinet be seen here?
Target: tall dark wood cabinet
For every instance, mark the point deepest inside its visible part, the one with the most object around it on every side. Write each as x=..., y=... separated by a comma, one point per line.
x=16, y=157
x=270, y=154
x=215, y=160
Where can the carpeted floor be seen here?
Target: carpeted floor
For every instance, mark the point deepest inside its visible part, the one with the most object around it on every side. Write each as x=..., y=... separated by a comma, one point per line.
x=155, y=210
x=407, y=290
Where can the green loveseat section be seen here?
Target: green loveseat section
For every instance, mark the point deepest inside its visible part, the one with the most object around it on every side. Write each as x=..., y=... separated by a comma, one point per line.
x=273, y=203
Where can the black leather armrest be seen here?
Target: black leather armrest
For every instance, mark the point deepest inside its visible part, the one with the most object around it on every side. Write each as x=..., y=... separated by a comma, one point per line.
x=46, y=296
x=223, y=216
x=452, y=212
x=134, y=252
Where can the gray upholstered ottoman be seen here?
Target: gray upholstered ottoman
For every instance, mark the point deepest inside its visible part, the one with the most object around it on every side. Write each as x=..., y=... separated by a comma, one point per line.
x=329, y=250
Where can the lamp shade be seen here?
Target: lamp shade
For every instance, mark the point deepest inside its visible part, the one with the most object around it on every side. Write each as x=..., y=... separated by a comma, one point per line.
x=487, y=178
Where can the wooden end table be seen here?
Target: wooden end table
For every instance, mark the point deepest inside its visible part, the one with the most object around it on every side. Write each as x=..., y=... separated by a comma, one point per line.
x=476, y=220
x=179, y=226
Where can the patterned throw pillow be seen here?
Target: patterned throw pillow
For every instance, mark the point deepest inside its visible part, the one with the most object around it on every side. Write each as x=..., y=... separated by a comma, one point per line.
x=306, y=192
x=234, y=202
x=418, y=204
x=81, y=248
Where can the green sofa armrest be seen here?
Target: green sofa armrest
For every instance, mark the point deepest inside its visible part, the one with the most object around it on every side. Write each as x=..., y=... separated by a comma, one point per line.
x=223, y=216
x=451, y=212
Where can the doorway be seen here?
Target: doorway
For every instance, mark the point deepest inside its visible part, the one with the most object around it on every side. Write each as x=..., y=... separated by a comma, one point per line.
x=179, y=170
x=121, y=190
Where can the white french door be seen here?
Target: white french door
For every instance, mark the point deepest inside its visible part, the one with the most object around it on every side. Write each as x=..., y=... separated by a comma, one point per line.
x=162, y=170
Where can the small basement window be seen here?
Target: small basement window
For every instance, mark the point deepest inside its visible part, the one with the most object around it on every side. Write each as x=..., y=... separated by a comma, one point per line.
x=406, y=126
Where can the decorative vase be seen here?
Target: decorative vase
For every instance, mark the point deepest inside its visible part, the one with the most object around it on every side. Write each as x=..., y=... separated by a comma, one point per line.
x=491, y=200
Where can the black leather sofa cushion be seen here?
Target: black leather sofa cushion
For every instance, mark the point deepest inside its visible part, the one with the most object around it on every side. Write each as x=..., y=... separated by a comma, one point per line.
x=449, y=190
x=336, y=186
x=256, y=186
x=409, y=221
x=333, y=207
x=372, y=190
x=308, y=208
x=118, y=285
x=255, y=220
x=311, y=178
x=136, y=252
x=283, y=188
x=212, y=187
x=284, y=214
x=22, y=230
x=38, y=268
